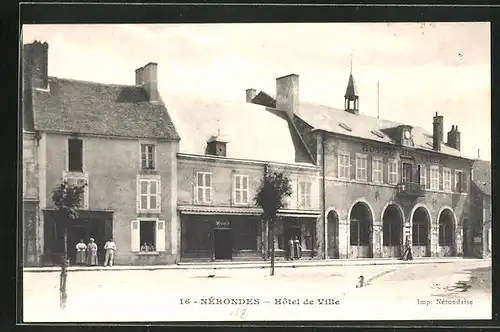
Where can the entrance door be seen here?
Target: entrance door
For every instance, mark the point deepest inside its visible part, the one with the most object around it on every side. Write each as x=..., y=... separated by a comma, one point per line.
x=292, y=232
x=407, y=172
x=223, y=243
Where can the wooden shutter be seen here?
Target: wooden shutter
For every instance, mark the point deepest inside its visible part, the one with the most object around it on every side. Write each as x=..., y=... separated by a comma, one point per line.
x=135, y=235
x=158, y=199
x=160, y=235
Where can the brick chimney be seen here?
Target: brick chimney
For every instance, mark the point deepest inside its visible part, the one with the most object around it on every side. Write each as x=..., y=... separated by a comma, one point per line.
x=147, y=77
x=287, y=94
x=437, y=132
x=35, y=65
x=454, y=138
x=251, y=93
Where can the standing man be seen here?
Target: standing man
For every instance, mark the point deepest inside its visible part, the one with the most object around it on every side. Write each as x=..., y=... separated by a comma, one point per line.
x=291, y=247
x=110, y=248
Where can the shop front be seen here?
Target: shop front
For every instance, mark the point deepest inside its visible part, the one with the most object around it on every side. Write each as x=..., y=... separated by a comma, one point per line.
x=90, y=224
x=227, y=235
x=298, y=228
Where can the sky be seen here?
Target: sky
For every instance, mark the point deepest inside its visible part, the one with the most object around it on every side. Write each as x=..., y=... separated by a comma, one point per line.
x=422, y=68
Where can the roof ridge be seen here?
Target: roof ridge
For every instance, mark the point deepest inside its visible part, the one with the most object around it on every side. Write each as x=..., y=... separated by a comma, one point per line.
x=93, y=82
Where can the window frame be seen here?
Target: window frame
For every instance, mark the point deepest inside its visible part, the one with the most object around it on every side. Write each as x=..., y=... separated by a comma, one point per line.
x=381, y=170
x=79, y=176
x=204, y=187
x=395, y=173
x=304, y=196
x=461, y=184
x=434, y=180
x=240, y=190
x=149, y=180
x=135, y=238
x=341, y=166
x=361, y=157
x=424, y=168
x=449, y=188
x=153, y=158
x=67, y=158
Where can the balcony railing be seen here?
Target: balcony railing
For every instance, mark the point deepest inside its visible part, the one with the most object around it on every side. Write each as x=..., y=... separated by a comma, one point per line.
x=411, y=189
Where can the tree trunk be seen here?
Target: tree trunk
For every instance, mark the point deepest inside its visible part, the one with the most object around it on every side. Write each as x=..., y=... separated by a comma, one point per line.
x=64, y=273
x=273, y=230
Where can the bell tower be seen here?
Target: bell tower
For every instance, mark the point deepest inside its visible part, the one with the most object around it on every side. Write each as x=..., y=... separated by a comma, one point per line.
x=351, y=98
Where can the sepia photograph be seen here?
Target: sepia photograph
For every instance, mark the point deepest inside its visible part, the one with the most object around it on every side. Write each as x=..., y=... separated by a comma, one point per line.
x=256, y=172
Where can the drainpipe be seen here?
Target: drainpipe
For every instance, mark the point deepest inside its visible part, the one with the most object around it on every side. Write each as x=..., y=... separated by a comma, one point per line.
x=324, y=193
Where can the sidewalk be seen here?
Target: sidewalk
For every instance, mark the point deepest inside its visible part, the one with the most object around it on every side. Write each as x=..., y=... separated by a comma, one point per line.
x=258, y=264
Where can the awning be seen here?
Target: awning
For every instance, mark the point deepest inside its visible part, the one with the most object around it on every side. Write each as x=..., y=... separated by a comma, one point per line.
x=215, y=210
x=299, y=213
x=220, y=210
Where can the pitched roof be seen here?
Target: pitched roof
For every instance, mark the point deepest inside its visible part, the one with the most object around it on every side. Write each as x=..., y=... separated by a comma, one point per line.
x=336, y=120
x=103, y=109
x=482, y=175
x=251, y=132
x=351, y=90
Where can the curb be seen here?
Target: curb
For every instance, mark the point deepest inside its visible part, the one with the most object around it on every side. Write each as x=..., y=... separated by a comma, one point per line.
x=205, y=266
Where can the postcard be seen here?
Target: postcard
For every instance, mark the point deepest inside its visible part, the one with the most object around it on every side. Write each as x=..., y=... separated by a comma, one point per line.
x=256, y=172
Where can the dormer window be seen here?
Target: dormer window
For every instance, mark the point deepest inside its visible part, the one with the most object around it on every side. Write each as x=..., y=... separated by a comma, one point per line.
x=377, y=133
x=406, y=137
x=344, y=126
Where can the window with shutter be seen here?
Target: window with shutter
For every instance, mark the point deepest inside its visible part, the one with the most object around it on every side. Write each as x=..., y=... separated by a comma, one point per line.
x=241, y=189
x=135, y=235
x=160, y=235
x=203, y=189
x=149, y=191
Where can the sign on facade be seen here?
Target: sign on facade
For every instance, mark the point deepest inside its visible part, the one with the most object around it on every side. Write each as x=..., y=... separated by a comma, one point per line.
x=222, y=224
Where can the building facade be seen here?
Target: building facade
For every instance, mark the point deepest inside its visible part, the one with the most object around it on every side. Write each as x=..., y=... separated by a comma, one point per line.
x=117, y=139
x=362, y=186
x=383, y=184
x=479, y=230
x=225, y=150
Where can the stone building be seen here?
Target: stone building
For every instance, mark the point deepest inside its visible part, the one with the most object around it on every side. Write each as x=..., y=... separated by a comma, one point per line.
x=120, y=140
x=479, y=231
x=225, y=150
x=383, y=184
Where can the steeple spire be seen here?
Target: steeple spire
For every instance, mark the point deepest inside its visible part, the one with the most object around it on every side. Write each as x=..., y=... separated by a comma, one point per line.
x=351, y=98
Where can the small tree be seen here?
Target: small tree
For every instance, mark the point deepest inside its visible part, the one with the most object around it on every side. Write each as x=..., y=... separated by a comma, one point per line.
x=271, y=197
x=67, y=198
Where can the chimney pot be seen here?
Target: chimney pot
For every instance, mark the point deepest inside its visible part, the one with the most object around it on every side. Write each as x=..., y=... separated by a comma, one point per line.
x=456, y=128
x=287, y=94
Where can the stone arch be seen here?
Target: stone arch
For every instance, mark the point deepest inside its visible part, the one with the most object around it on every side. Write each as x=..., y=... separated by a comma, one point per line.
x=393, y=220
x=360, y=216
x=446, y=221
x=332, y=221
x=420, y=230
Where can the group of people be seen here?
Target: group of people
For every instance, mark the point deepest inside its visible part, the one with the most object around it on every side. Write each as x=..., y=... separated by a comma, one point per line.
x=86, y=254
x=147, y=247
x=294, y=248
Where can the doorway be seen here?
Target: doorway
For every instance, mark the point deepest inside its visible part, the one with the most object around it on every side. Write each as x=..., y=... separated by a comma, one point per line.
x=292, y=232
x=223, y=245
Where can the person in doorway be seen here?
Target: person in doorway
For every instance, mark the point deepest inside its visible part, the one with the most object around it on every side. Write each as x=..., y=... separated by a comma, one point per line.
x=297, y=248
x=110, y=248
x=144, y=247
x=407, y=255
x=81, y=253
x=291, y=247
x=92, y=253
